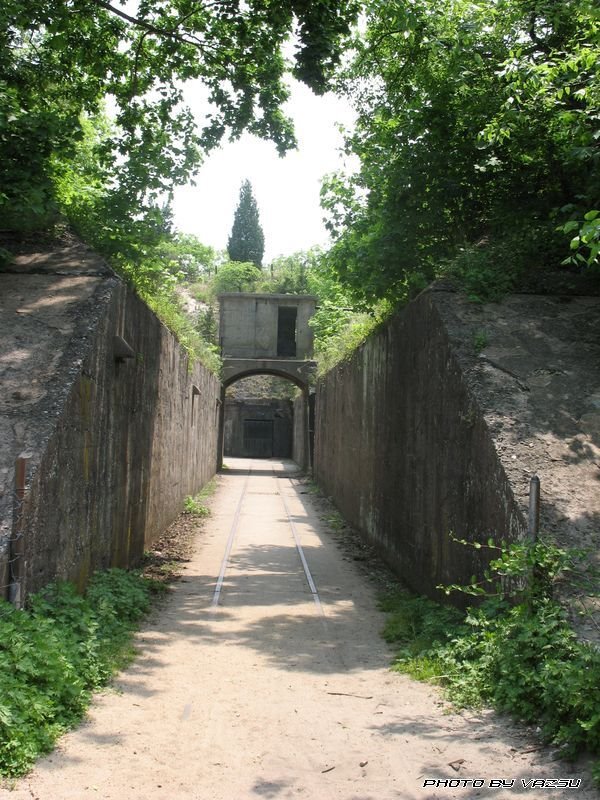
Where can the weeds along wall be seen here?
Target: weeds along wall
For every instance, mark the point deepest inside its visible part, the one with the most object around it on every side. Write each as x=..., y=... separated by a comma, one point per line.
x=133, y=433
x=404, y=451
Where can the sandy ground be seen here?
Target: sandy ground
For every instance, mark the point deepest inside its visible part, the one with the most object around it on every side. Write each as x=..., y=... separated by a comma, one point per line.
x=251, y=684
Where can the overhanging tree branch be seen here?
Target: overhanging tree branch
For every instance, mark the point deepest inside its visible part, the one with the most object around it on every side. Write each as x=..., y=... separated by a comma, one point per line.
x=148, y=27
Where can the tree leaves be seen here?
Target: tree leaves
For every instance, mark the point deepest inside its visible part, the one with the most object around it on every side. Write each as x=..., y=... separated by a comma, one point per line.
x=476, y=123
x=59, y=60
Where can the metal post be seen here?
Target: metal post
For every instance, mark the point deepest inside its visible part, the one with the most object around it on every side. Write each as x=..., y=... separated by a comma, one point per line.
x=221, y=429
x=17, y=543
x=306, y=466
x=533, y=525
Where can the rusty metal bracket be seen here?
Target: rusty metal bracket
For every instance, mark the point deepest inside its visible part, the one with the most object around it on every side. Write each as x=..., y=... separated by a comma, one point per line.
x=17, y=541
x=533, y=522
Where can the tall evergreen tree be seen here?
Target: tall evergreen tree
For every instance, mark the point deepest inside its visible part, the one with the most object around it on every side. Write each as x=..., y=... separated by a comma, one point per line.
x=247, y=240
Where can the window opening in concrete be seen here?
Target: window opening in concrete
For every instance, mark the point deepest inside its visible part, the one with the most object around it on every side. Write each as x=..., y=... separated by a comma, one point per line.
x=286, y=332
x=258, y=438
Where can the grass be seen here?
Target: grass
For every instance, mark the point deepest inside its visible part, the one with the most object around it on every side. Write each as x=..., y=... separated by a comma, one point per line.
x=168, y=308
x=310, y=487
x=332, y=350
x=195, y=506
x=335, y=521
x=480, y=341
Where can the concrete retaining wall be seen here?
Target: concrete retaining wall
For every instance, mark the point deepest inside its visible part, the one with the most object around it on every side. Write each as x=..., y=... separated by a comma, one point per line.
x=126, y=440
x=403, y=449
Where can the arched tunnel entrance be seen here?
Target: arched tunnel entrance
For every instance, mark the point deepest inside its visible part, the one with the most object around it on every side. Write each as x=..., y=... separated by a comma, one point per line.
x=268, y=334
x=264, y=420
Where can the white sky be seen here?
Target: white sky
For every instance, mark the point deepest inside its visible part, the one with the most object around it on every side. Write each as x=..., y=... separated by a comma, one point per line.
x=286, y=189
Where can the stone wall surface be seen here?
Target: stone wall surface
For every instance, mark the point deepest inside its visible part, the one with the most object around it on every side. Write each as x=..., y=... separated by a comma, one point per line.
x=441, y=418
x=113, y=444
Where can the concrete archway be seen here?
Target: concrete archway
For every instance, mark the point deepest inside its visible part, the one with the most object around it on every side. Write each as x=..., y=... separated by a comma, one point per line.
x=296, y=377
x=298, y=371
x=266, y=334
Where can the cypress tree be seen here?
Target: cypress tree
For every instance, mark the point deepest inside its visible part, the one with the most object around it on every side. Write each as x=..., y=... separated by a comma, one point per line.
x=247, y=240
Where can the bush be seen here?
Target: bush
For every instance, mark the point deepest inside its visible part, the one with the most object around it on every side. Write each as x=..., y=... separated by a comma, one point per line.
x=519, y=657
x=518, y=259
x=55, y=653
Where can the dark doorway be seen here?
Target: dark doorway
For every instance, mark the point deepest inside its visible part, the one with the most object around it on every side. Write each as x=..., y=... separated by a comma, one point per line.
x=258, y=438
x=286, y=332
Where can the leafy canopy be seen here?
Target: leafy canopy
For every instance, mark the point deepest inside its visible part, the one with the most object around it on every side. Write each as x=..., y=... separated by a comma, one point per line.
x=65, y=65
x=235, y=276
x=59, y=60
x=478, y=134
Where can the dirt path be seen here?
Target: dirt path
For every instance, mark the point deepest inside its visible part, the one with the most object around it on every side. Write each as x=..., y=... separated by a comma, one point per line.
x=259, y=679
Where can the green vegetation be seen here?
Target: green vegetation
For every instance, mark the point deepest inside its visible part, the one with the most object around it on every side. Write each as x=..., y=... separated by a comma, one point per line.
x=516, y=651
x=335, y=521
x=247, y=240
x=480, y=341
x=193, y=338
x=338, y=332
x=235, y=276
x=64, y=161
x=340, y=324
x=478, y=132
x=61, y=63
x=477, y=137
x=58, y=651
x=195, y=505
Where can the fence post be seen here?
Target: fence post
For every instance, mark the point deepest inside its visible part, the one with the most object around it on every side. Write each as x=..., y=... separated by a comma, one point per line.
x=536, y=575
x=533, y=524
x=17, y=543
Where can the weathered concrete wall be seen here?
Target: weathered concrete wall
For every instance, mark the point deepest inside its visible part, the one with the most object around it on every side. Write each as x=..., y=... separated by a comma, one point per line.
x=114, y=446
x=440, y=420
x=279, y=412
x=248, y=324
x=404, y=451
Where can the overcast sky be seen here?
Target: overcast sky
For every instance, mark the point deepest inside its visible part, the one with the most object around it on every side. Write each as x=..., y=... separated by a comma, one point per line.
x=286, y=189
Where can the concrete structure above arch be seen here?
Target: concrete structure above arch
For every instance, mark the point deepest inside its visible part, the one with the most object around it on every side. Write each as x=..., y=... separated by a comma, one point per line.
x=266, y=326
